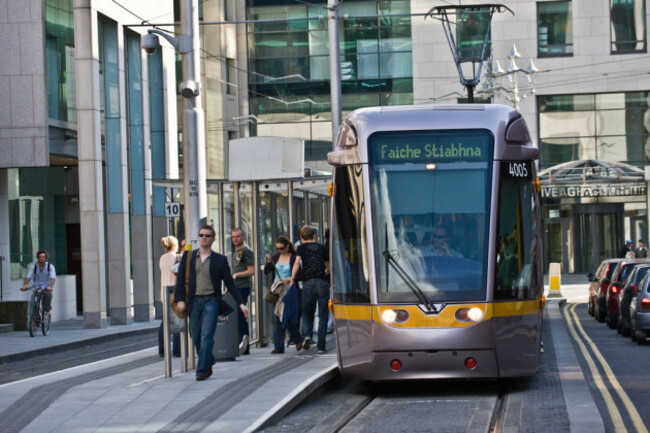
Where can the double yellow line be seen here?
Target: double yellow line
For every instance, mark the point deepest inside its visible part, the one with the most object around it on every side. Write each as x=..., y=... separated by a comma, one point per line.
x=580, y=336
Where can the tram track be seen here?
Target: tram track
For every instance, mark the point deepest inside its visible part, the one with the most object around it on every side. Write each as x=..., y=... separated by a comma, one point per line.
x=48, y=362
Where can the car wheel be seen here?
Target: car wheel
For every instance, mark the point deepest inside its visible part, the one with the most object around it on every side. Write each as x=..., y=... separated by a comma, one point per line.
x=600, y=315
x=590, y=308
x=613, y=321
x=619, y=327
x=625, y=332
x=633, y=335
x=640, y=338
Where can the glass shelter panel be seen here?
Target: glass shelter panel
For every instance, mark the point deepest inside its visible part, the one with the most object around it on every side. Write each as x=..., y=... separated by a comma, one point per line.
x=421, y=226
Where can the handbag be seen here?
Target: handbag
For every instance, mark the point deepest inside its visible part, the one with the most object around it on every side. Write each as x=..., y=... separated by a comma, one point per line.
x=173, y=302
x=271, y=296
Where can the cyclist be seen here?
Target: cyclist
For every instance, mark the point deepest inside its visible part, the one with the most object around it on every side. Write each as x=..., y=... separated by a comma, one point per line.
x=44, y=275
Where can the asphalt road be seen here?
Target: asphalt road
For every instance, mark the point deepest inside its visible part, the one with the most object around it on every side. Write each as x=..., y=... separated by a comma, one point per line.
x=616, y=369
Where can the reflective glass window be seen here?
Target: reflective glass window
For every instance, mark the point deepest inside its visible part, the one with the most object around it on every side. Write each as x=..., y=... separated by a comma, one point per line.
x=607, y=127
x=60, y=54
x=439, y=241
x=516, y=239
x=349, y=254
x=628, y=26
x=554, y=29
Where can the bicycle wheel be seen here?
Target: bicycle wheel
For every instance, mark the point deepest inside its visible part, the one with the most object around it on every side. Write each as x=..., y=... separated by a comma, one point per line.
x=45, y=322
x=32, y=323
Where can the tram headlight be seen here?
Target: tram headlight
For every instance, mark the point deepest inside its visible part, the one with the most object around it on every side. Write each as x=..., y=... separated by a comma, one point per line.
x=473, y=314
x=397, y=315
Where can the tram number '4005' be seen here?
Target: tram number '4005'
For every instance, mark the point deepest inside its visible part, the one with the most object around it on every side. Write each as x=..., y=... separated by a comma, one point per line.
x=519, y=169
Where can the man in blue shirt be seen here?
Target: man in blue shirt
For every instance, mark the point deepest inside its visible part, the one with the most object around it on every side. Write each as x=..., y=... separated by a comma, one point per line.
x=44, y=275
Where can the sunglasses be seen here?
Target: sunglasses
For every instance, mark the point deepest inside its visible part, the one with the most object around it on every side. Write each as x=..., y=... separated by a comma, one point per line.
x=280, y=248
x=203, y=235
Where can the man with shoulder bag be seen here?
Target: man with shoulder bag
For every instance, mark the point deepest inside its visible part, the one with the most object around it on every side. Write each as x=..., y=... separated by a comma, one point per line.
x=207, y=271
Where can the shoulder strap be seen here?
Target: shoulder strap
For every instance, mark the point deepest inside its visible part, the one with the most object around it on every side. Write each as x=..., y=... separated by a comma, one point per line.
x=188, y=259
x=35, y=264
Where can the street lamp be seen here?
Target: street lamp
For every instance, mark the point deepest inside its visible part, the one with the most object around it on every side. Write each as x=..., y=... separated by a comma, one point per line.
x=194, y=178
x=493, y=73
x=469, y=38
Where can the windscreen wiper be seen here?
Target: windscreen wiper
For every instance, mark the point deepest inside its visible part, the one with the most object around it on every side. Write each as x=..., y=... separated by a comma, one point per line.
x=409, y=282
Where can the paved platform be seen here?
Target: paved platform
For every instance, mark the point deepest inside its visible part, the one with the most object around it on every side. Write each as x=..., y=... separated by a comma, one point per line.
x=130, y=392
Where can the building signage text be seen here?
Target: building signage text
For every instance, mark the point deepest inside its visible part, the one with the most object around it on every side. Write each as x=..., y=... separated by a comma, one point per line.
x=563, y=191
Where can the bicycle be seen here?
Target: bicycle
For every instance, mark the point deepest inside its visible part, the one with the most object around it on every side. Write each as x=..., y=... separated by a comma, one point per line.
x=37, y=316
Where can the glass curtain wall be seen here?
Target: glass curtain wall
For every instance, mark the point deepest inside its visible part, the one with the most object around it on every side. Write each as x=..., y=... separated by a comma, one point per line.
x=608, y=126
x=60, y=54
x=289, y=65
x=628, y=24
x=554, y=29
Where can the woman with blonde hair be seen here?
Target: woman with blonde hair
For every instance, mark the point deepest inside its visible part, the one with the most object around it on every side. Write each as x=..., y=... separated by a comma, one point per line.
x=168, y=282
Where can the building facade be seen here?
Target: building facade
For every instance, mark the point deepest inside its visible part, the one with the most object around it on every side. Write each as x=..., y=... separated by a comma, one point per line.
x=90, y=123
x=589, y=101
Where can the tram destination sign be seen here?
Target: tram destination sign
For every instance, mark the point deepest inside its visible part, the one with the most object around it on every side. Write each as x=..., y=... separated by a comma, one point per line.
x=430, y=146
x=595, y=190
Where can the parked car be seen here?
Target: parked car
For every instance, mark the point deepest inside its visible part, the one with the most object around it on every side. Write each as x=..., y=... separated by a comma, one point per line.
x=610, y=299
x=628, y=292
x=599, y=284
x=640, y=312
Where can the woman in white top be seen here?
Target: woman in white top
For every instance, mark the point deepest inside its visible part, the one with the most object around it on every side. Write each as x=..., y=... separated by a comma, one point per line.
x=167, y=282
x=167, y=260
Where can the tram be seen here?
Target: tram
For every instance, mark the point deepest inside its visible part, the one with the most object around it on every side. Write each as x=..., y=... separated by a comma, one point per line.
x=436, y=247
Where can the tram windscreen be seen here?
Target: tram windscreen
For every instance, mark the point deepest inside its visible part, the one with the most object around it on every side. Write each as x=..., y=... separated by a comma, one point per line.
x=430, y=199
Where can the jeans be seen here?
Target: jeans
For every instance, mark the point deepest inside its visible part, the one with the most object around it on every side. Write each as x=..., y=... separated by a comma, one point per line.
x=47, y=300
x=278, y=333
x=242, y=322
x=203, y=323
x=315, y=292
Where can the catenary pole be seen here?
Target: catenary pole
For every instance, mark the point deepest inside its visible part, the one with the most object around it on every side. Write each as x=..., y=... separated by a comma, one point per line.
x=193, y=128
x=335, y=65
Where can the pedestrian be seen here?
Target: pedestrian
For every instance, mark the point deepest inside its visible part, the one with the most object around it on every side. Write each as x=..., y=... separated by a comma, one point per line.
x=208, y=270
x=642, y=250
x=627, y=252
x=243, y=269
x=288, y=319
x=168, y=282
x=44, y=276
x=315, y=286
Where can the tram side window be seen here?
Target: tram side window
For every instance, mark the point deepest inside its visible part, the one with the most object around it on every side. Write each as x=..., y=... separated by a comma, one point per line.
x=516, y=241
x=349, y=263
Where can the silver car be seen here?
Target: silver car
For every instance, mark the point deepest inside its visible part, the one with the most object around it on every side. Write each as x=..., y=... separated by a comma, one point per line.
x=640, y=312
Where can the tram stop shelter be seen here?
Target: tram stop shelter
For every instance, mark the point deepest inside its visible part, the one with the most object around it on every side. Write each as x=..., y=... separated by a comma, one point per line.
x=268, y=192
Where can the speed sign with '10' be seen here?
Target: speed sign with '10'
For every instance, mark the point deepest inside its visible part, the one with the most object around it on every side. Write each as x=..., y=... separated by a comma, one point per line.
x=172, y=209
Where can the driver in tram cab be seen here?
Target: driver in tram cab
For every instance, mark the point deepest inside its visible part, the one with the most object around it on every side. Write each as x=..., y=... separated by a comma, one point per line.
x=442, y=243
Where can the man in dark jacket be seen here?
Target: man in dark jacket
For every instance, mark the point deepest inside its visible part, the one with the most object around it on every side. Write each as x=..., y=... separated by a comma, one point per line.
x=207, y=271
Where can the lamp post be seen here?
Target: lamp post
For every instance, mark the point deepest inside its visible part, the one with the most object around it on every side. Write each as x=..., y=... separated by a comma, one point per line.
x=494, y=73
x=194, y=178
x=468, y=36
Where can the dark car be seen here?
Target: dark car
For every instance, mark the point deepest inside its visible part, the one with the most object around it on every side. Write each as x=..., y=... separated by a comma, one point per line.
x=599, y=284
x=640, y=312
x=628, y=292
x=609, y=301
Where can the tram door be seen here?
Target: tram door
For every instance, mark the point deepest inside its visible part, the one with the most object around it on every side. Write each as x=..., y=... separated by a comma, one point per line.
x=597, y=234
